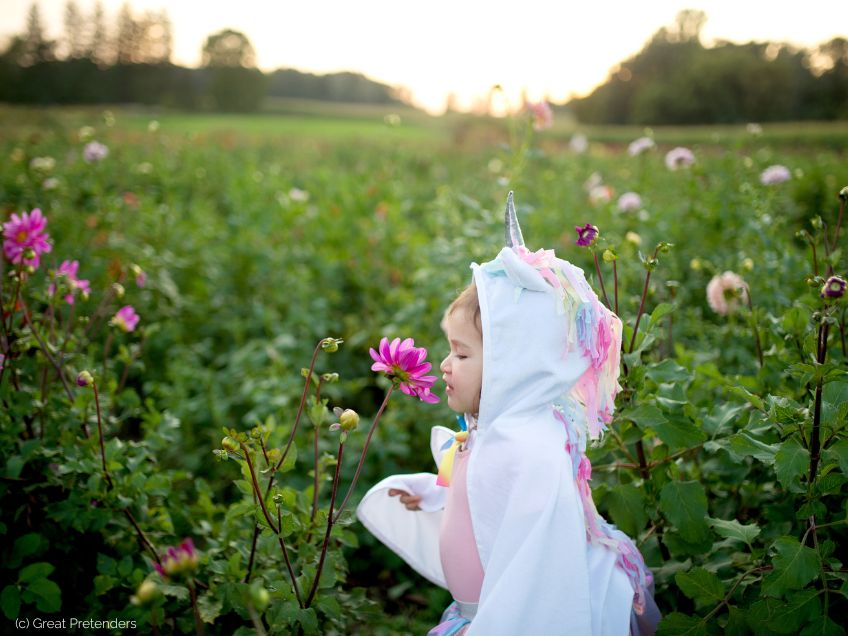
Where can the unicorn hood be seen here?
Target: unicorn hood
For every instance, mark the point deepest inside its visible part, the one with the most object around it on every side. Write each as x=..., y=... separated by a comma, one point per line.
x=551, y=564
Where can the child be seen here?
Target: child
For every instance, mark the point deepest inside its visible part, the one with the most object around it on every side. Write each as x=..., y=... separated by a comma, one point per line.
x=515, y=537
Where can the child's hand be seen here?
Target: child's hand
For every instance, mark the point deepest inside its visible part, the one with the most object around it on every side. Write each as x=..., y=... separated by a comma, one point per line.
x=410, y=501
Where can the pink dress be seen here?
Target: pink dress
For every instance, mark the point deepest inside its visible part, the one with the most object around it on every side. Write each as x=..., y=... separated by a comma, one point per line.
x=457, y=547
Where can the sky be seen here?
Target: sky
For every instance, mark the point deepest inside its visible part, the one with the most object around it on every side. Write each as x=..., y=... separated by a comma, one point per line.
x=540, y=48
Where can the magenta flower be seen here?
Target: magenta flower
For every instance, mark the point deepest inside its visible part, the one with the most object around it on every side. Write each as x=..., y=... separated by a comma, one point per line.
x=406, y=364
x=774, y=175
x=94, y=151
x=178, y=560
x=543, y=116
x=26, y=232
x=68, y=269
x=834, y=287
x=679, y=158
x=586, y=235
x=126, y=319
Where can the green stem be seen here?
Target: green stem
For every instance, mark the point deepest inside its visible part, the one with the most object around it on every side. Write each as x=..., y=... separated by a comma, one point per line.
x=364, y=451
x=198, y=622
x=330, y=522
x=100, y=435
x=601, y=279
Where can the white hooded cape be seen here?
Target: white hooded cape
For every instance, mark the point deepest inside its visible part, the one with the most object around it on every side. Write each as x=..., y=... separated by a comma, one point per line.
x=542, y=575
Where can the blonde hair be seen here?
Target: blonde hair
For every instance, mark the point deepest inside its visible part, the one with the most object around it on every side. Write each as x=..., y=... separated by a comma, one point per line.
x=468, y=302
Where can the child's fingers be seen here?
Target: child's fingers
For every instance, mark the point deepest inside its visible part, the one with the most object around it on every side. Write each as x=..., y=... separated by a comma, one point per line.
x=410, y=501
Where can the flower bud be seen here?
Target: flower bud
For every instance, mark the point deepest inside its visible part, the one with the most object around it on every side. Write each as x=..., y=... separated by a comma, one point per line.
x=85, y=379
x=632, y=237
x=330, y=378
x=748, y=264
x=349, y=419
x=843, y=193
x=229, y=444
x=146, y=592
x=331, y=345
x=695, y=264
x=609, y=256
x=29, y=254
x=118, y=289
x=259, y=596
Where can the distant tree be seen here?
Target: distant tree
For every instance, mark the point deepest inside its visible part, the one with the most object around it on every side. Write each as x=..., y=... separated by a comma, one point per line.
x=74, y=37
x=228, y=49
x=36, y=47
x=127, y=40
x=97, y=48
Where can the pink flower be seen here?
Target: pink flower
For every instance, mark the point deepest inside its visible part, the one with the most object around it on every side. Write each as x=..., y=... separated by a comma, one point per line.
x=600, y=194
x=543, y=116
x=586, y=235
x=638, y=146
x=26, y=232
x=579, y=143
x=406, y=364
x=126, y=319
x=774, y=175
x=725, y=292
x=94, y=151
x=679, y=158
x=178, y=560
x=629, y=201
x=69, y=269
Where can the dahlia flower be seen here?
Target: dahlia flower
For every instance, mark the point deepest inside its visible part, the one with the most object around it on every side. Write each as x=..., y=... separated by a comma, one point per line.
x=68, y=269
x=629, y=201
x=26, y=232
x=94, y=151
x=126, y=319
x=406, y=364
x=725, y=292
x=774, y=175
x=178, y=560
x=586, y=235
x=679, y=158
x=638, y=146
x=543, y=116
x=834, y=287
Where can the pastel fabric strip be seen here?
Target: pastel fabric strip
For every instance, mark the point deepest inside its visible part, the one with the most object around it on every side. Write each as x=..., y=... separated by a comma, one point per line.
x=451, y=623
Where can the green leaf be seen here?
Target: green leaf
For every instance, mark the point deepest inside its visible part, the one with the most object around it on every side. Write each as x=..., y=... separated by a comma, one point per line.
x=179, y=592
x=734, y=530
x=678, y=434
x=14, y=466
x=755, y=400
x=791, y=462
x=667, y=371
x=701, y=586
x=27, y=545
x=677, y=624
x=47, y=593
x=795, y=565
x=209, y=606
x=839, y=452
x=103, y=583
x=329, y=606
x=626, y=505
x=661, y=311
x=645, y=416
x=743, y=445
x=823, y=626
x=35, y=571
x=308, y=620
x=10, y=600
x=685, y=505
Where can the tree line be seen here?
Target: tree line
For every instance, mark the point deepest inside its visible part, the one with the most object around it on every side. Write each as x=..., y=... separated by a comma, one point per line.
x=674, y=79
x=130, y=62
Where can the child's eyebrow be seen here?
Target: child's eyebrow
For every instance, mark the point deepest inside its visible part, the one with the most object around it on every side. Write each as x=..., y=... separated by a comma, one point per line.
x=458, y=343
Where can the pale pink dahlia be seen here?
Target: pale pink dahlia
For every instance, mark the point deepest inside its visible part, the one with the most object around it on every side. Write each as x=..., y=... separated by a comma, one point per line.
x=725, y=292
x=543, y=116
x=679, y=157
x=68, y=269
x=26, y=232
x=638, y=146
x=774, y=175
x=629, y=201
x=94, y=151
x=406, y=364
x=126, y=319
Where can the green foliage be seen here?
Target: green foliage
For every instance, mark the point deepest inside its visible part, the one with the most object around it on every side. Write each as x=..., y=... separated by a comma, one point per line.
x=723, y=468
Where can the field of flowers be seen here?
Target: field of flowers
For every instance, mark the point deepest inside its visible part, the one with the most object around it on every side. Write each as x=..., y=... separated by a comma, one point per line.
x=187, y=390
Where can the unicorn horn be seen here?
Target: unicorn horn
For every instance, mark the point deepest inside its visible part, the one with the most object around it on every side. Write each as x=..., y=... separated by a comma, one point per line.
x=512, y=230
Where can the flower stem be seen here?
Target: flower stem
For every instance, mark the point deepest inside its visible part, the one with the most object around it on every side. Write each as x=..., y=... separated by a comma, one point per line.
x=198, y=622
x=315, y=470
x=755, y=328
x=330, y=521
x=297, y=417
x=144, y=540
x=615, y=284
x=641, y=306
x=364, y=451
x=46, y=352
x=252, y=554
x=100, y=435
x=815, y=437
x=601, y=279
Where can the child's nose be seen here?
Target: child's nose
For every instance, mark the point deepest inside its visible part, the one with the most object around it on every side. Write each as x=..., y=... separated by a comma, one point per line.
x=443, y=367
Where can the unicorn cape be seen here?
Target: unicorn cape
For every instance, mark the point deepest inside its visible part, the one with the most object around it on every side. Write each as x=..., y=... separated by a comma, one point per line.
x=550, y=374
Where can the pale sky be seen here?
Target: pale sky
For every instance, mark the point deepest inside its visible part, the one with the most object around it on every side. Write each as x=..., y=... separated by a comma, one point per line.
x=546, y=48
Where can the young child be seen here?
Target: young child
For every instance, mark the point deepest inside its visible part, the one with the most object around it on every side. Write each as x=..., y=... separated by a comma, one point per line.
x=508, y=525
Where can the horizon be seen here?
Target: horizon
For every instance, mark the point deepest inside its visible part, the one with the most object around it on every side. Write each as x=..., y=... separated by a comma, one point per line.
x=433, y=58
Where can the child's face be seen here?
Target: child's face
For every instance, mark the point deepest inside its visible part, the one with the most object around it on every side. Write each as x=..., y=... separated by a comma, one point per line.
x=462, y=370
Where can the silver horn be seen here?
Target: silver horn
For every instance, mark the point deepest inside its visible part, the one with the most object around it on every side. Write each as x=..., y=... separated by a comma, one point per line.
x=512, y=230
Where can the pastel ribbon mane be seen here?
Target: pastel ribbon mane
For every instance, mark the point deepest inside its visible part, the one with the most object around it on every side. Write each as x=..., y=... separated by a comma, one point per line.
x=451, y=446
